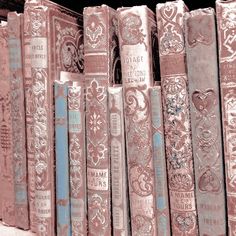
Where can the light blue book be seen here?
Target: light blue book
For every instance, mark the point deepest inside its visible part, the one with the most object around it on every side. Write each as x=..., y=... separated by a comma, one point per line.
x=62, y=160
x=162, y=201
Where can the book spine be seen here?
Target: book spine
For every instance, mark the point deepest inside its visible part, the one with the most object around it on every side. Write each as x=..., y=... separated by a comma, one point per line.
x=225, y=15
x=99, y=71
x=162, y=196
x=29, y=117
x=177, y=118
x=62, y=159
x=137, y=76
x=42, y=119
x=6, y=136
x=205, y=120
x=77, y=152
x=119, y=181
x=15, y=25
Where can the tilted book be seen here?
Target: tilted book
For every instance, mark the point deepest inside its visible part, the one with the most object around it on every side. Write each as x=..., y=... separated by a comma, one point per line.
x=62, y=159
x=55, y=45
x=162, y=195
x=6, y=136
x=119, y=180
x=200, y=38
x=15, y=41
x=177, y=118
x=137, y=34
x=100, y=58
x=226, y=26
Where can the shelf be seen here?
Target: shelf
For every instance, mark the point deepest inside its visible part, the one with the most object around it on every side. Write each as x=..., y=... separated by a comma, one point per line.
x=12, y=231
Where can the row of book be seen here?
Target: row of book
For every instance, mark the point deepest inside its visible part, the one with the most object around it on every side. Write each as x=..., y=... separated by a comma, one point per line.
x=111, y=123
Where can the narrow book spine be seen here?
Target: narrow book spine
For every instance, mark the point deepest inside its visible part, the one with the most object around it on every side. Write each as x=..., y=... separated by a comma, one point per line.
x=99, y=67
x=29, y=116
x=15, y=24
x=162, y=196
x=6, y=137
x=137, y=76
x=226, y=22
x=177, y=118
x=77, y=152
x=119, y=181
x=200, y=38
x=62, y=159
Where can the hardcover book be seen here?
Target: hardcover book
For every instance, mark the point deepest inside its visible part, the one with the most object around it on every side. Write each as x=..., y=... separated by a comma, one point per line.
x=226, y=26
x=137, y=34
x=6, y=136
x=119, y=181
x=101, y=60
x=15, y=40
x=177, y=128
x=55, y=44
x=200, y=38
x=162, y=196
x=62, y=159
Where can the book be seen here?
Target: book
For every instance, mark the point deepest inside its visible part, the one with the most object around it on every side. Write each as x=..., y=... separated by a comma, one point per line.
x=15, y=40
x=162, y=195
x=62, y=159
x=200, y=38
x=176, y=113
x=225, y=15
x=55, y=44
x=100, y=59
x=119, y=179
x=137, y=33
x=6, y=136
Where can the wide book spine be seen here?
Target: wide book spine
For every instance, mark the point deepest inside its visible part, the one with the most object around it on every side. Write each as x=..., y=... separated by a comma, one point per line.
x=200, y=38
x=162, y=195
x=99, y=42
x=119, y=181
x=137, y=75
x=177, y=128
x=226, y=15
x=15, y=37
x=62, y=159
x=6, y=136
x=77, y=155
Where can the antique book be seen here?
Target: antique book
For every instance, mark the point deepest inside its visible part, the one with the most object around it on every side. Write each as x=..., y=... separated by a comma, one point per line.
x=6, y=136
x=101, y=60
x=62, y=159
x=119, y=180
x=137, y=75
x=162, y=196
x=77, y=153
x=176, y=113
x=55, y=45
x=200, y=39
x=15, y=40
x=226, y=26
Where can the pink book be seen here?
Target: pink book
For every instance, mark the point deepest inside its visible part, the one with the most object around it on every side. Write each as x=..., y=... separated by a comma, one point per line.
x=100, y=43
x=226, y=26
x=6, y=136
x=55, y=45
x=176, y=113
x=137, y=34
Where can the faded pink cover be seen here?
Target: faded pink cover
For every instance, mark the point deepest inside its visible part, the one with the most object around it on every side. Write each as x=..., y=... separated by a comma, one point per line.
x=177, y=118
x=55, y=45
x=201, y=48
x=15, y=40
x=137, y=29
x=100, y=45
x=226, y=26
x=6, y=136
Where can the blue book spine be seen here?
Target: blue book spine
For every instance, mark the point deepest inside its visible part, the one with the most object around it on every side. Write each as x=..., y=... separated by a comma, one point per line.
x=62, y=160
x=162, y=201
